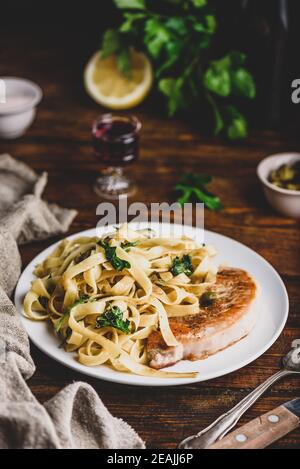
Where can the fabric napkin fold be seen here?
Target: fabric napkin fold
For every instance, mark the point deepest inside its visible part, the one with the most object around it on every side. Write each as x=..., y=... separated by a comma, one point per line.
x=76, y=416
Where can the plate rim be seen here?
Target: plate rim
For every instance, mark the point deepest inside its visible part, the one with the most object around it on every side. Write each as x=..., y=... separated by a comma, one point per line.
x=87, y=371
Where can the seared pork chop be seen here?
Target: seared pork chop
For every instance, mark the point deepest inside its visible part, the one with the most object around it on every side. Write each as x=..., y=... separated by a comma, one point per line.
x=229, y=318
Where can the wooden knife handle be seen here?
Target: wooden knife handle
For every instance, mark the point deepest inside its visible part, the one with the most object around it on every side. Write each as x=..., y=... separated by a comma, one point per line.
x=260, y=432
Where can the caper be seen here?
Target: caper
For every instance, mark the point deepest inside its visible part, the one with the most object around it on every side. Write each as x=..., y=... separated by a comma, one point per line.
x=286, y=177
x=286, y=173
x=208, y=298
x=293, y=187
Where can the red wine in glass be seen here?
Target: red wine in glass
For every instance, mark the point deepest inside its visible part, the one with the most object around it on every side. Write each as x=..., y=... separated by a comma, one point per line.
x=116, y=144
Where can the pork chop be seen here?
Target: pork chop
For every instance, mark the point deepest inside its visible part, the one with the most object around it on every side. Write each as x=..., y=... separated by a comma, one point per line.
x=229, y=318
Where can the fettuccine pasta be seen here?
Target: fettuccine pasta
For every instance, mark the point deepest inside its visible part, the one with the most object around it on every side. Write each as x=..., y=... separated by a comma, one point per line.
x=104, y=296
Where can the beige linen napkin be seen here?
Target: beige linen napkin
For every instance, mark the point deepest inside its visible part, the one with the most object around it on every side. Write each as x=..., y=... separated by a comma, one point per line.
x=75, y=417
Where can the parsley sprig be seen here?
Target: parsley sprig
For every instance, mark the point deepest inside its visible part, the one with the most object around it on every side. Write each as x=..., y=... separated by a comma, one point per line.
x=193, y=186
x=180, y=36
x=63, y=319
x=111, y=256
x=113, y=317
x=126, y=245
x=182, y=266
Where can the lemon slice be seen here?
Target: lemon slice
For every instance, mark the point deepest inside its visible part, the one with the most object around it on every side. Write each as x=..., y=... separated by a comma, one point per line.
x=109, y=87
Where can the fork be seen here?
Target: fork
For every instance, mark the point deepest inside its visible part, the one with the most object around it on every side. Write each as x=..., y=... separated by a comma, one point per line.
x=220, y=427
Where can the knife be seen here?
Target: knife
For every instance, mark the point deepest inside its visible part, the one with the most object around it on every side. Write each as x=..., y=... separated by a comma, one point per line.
x=264, y=430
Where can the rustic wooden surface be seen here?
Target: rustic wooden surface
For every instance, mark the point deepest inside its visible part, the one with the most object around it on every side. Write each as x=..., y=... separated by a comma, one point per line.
x=59, y=143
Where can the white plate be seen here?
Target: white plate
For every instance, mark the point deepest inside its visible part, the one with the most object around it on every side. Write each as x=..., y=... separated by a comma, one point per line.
x=274, y=305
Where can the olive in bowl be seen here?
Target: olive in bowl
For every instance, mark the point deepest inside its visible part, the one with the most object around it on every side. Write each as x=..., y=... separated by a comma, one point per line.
x=280, y=177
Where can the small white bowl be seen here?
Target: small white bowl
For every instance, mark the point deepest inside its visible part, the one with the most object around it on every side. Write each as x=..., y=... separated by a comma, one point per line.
x=284, y=201
x=18, y=103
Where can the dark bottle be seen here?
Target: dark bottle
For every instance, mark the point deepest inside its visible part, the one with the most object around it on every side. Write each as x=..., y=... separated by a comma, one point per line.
x=264, y=30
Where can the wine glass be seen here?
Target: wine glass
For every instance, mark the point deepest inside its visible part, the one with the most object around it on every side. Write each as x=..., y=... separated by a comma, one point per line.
x=116, y=144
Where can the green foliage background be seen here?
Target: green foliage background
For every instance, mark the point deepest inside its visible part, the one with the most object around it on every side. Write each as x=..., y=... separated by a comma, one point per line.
x=178, y=37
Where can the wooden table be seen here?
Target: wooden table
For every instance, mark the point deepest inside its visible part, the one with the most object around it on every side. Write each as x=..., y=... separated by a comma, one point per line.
x=59, y=143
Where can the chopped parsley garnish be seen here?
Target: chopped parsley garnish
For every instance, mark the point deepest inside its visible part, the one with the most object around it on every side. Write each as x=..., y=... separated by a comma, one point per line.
x=81, y=300
x=208, y=298
x=111, y=256
x=182, y=266
x=128, y=244
x=113, y=317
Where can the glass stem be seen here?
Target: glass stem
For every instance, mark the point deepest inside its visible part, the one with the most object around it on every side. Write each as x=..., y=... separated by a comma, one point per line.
x=113, y=183
x=115, y=173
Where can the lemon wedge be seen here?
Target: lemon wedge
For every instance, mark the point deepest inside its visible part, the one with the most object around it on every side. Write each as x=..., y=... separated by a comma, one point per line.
x=109, y=87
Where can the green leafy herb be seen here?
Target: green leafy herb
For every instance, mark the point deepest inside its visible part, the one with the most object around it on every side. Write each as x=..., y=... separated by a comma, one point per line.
x=179, y=37
x=227, y=75
x=111, y=256
x=199, y=3
x=194, y=186
x=172, y=88
x=113, y=317
x=110, y=43
x=243, y=83
x=157, y=36
x=131, y=22
x=130, y=4
x=217, y=80
x=208, y=298
x=124, y=61
x=113, y=44
x=236, y=123
x=182, y=266
x=63, y=319
x=126, y=245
